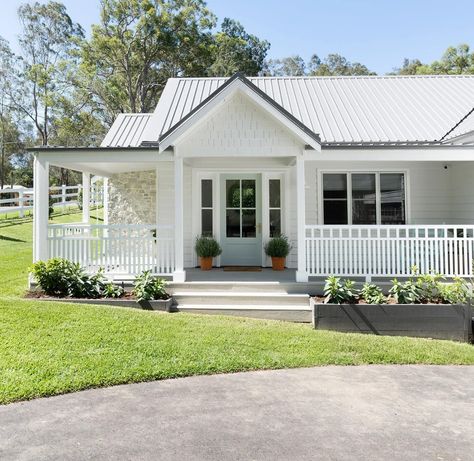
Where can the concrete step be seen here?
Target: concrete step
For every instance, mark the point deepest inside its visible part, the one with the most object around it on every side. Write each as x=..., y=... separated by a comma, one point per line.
x=224, y=299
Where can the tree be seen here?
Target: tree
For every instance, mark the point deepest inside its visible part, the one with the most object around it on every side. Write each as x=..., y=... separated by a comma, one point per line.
x=335, y=64
x=46, y=65
x=138, y=45
x=293, y=66
x=235, y=50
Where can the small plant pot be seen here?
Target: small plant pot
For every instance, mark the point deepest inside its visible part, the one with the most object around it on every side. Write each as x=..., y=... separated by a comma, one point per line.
x=206, y=263
x=278, y=263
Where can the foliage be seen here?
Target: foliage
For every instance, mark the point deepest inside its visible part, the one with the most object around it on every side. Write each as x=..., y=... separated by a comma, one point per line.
x=338, y=291
x=207, y=247
x=406, y=293
x=429, y=285
x=278, y=247
x=235, y=50
x=147, y=287
x=457, y=292
x=111, y=290
x=372, y=294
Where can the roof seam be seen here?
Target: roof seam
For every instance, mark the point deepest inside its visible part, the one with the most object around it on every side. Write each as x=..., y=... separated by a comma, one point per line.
x=457, y=124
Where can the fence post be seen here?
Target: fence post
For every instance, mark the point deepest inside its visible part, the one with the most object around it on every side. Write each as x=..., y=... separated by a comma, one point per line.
x=63, y=196
x=21, y=204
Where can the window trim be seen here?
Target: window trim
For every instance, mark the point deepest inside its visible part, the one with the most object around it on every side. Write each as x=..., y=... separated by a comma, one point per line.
x=377, y=172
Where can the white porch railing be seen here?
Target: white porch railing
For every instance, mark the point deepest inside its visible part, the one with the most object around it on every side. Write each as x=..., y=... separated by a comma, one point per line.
x=389, y=251
x=121, y=249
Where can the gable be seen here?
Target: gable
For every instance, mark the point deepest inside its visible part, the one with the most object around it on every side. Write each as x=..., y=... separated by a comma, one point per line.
x=239, y=126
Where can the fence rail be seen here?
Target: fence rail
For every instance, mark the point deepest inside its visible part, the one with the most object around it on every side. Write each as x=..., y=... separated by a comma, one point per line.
x=21, y=199
x=121, y=249
x=389, y=250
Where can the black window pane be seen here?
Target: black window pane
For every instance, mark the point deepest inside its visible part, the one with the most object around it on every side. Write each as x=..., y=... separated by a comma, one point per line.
x=364, y=212
x=249, y=228
x=206, y=193
x=248, y=193
x=206, y=222
x=275, y=223
x=275, y=193
x=392, y=197
x=232, y=193
x=363, y=186
x=334, y=186
x=233, y=223
x=335, y=212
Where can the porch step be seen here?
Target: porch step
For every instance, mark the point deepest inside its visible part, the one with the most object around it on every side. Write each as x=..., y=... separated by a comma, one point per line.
x=243, y=300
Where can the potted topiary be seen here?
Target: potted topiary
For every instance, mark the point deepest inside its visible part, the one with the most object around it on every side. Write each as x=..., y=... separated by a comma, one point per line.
x=278, y=249
x=207, y=248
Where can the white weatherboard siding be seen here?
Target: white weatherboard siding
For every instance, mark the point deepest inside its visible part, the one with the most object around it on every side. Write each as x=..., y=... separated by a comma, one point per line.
x=428, y=192
x=237, y=128
x=462, y=192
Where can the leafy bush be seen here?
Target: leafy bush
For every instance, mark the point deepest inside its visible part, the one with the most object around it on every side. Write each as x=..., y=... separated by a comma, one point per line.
x=111, y=290
x=147, y=287
x=372, y=294
x=406, y=293
x=60, y=277
x=278, y=247
x=457, y=292
x=338, y=291
x=429, y=284
x=207, y=247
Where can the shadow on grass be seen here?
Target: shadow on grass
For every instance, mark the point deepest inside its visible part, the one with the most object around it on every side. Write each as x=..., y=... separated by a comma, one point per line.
x=11, y=239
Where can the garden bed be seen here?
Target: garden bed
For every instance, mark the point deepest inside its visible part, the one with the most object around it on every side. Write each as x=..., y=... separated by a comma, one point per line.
x=437, y=321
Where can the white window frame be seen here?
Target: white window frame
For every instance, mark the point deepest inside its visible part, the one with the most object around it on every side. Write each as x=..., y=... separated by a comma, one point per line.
x=378, y=201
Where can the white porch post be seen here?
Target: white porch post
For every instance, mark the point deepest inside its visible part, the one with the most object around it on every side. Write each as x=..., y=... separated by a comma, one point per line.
x=301, y=274
x=86, y=197
x=105, y=200
x=179, y=274
x=40, y=208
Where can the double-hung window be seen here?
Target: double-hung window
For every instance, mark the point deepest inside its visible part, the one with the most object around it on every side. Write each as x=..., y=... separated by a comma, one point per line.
x=363, y=198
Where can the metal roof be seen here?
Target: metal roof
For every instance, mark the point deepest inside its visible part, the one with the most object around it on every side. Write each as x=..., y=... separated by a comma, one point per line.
x=369, y=109
x=465, y=125
x=126, y=131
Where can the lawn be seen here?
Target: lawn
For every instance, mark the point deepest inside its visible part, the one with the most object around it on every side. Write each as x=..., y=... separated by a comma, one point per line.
x=48, y=348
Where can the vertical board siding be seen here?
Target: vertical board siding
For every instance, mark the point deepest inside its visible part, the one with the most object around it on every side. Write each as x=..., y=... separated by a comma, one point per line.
x=389, y=251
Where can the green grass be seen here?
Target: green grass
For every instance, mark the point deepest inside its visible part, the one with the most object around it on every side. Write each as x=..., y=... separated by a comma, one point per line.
x=48, y=348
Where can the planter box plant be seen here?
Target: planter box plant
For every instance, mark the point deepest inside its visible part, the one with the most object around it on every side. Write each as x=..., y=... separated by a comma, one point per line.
x=278, y=248
x=421, y=307
x=207, y=248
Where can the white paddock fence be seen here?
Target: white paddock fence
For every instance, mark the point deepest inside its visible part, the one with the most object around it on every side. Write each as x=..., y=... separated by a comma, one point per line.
x=121, y=249
x=21, y=199
x=389, y=251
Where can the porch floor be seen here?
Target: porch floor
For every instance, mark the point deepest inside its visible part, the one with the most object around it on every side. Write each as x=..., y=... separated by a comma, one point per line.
x=217, y=274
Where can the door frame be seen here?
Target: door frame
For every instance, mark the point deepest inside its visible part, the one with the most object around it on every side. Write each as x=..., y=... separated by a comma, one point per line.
x=283, y=174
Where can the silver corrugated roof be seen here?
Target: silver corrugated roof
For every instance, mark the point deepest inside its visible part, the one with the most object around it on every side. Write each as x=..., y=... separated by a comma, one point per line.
x=380, y=109
x=127, y=130
x=466, y=125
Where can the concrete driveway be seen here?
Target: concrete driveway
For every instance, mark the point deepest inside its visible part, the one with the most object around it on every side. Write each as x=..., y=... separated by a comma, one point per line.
x=329, y=413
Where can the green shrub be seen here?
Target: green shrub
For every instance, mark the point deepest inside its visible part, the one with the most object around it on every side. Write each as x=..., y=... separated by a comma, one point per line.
x=372, y=294
x=430, y=286
x=338, y=291
x=111, y=290
x=457, y=292
x=207, y=247
x=406, y=293
x=278, y=247
x=146, y=287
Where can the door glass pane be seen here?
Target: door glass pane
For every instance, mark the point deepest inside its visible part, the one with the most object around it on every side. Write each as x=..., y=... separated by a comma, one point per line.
x=232, y=223
x=274, y=186
x=275, y=223
x=206, y=193
x=206, y=222
x=363, y=199
x=232, y=193
x=335, y=186
x=335, y=212
x=248, y=193
x=392, y=198
x=249, y=227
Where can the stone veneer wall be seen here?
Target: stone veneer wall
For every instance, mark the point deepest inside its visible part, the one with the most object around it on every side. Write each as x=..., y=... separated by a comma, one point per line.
x=132, y=198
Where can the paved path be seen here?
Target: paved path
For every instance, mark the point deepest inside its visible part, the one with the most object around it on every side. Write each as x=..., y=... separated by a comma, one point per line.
x=331, y=413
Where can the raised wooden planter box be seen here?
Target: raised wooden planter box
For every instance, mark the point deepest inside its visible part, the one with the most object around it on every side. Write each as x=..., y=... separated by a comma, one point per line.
x=437, y=321
x=156, y=305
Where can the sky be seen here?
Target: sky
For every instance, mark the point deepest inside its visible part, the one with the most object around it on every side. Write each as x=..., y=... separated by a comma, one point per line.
x=377, y=33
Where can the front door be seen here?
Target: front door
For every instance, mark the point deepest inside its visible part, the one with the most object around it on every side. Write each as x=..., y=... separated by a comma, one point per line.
x=241, y=220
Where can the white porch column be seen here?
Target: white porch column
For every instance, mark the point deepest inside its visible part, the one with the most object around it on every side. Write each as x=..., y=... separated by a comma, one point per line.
x=301, y=274
x=40, y=208
x=86, y=197
x=179, y=274
x=105, y=200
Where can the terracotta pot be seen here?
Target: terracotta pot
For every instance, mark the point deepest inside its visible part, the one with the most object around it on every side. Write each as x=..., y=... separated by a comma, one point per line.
x=278, y=263
x=206, y=263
